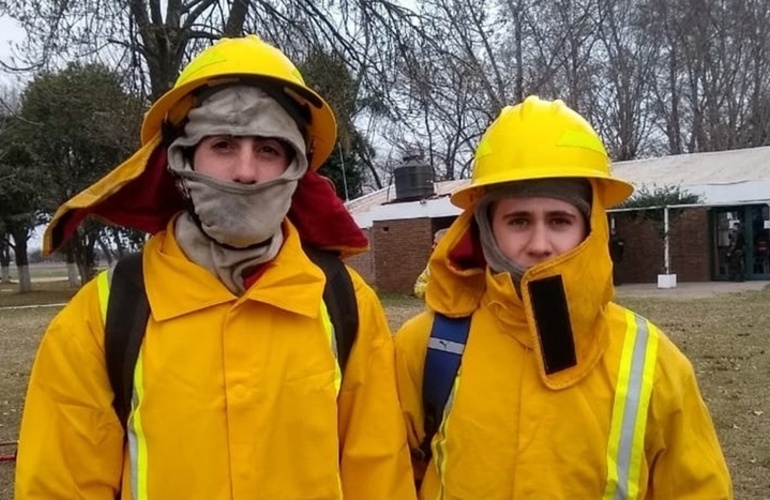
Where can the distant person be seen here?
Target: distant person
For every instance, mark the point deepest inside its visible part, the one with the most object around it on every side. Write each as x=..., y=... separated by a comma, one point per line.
x=761, y=255
x=736, y=254
x=422, y=279
x=522, y=379
x=617, y=247
x=242, y=382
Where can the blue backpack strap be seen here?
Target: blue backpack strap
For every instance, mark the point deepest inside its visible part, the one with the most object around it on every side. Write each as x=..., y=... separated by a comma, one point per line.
x=448, y=337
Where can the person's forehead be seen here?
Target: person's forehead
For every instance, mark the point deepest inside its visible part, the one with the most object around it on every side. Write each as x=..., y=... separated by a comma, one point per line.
x=253, y=137
x=534, y=203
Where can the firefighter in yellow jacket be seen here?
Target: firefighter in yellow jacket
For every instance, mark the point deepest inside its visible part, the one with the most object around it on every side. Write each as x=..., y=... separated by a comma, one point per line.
x=237, y=392
x=560, y=392
x=422, y=280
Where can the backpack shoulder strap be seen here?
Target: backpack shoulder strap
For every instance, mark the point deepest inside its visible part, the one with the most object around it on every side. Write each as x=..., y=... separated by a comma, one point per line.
x=446, y=345
x=127, y=313
x=340, y=298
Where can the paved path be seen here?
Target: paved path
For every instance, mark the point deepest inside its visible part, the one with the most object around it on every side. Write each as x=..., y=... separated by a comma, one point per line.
x=692, y=290
x=33, y=306
x=688, y=290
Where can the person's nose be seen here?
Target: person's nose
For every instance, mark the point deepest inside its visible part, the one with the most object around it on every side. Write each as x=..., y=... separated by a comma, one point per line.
x=539, y=242
x=246, y=169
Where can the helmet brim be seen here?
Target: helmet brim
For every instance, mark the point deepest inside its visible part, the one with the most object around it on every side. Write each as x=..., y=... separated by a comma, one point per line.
x=613, y=191
x=321, y=132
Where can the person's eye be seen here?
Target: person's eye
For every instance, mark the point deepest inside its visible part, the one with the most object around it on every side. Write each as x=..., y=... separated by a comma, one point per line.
x=221, y=144
x=517, y=222
x=271, y=148
x=268, y=150
x=561, y=222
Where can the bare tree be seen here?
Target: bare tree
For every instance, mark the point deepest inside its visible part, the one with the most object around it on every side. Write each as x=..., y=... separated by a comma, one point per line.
x=152, y=43
x=563, y=35
x=630, y=54
x=715, y=90
x=654, y=76
x=136, y=34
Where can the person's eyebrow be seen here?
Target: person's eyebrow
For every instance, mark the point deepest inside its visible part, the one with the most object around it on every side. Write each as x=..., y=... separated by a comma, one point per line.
x=562, y=213
x=518, y=213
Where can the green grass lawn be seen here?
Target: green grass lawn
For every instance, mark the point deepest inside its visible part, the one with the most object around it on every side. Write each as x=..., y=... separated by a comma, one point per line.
x=725, y=337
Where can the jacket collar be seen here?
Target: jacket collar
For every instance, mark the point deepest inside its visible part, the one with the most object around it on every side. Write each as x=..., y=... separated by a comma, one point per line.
x=177, y=286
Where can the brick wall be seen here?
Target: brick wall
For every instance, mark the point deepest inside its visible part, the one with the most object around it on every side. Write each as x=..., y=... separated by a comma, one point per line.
x=690, y=245
x=400, y=251
x=364, y=263
x=643, y=259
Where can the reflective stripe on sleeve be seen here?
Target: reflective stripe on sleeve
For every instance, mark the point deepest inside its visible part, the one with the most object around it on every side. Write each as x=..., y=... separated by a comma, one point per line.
x=630, y=410
x=137, y=443
x=103, y=286
x=332, y=339
x=439, y=441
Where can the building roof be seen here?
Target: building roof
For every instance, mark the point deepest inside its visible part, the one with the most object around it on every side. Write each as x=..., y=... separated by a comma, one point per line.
x=388, y=195
x=736, y=176
x=721, y=167
x=722, y=177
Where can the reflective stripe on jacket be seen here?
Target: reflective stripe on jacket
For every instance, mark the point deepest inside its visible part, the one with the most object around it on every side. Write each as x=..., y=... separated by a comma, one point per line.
x=625, y=447
x=235, y=396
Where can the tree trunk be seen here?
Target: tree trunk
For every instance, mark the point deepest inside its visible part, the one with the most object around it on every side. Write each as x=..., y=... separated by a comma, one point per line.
x=674, y=127
x=83, y=248
x=518, y=93
x=238, y=11
x=5, y=262
x=105, y=250
x=73, y=276
x=25, y=281
x=22, y=260
x=73, y=281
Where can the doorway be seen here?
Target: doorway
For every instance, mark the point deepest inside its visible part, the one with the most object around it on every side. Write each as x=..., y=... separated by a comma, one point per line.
x=754, y=222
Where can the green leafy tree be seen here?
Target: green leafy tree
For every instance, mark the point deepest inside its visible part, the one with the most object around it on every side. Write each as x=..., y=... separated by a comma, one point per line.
x=346, y=170
x=660, y=196
x=330, y=77
x=646, y=199
x=77, y=124
x=19, y=201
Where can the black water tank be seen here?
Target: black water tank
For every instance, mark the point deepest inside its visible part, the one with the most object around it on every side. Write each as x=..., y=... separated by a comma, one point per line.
x=414, y=179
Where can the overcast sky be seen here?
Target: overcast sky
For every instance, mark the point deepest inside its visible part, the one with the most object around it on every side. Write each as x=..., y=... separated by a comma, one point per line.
x=10, y=32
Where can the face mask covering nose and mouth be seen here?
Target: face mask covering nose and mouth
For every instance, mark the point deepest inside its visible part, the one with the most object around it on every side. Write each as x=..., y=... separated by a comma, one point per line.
x=232, y=214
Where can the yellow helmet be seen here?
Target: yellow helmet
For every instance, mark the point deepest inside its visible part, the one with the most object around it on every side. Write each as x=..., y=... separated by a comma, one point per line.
x=226, y=61
x=538, y=139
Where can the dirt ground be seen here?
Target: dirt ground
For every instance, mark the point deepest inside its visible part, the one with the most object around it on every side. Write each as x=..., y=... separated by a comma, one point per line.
x=722, y=329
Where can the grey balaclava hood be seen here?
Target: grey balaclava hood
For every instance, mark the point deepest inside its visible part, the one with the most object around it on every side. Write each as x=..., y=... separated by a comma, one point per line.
x=235, y=226
x=576, y=191
x=234, y=214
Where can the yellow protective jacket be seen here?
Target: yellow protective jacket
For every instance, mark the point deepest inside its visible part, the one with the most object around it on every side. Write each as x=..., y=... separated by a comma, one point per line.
x=236, y=395
x=421, y=283
x=626, y=421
